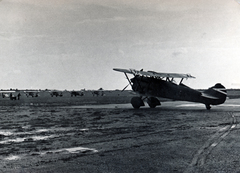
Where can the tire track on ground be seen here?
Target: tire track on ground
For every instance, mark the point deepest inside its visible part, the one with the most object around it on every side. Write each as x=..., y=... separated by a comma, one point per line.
x=201, y=155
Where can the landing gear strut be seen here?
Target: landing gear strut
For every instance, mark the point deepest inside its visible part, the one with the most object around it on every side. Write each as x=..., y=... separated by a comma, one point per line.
x=137, y=102
x=208, y=107
x=153, y=102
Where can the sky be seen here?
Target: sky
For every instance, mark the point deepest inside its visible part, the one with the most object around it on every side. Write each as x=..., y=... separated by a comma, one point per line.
x=75, y=44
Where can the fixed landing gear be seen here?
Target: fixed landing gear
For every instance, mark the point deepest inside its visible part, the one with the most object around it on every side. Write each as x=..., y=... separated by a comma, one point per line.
x=208, y=107
x=137, y=102
x=153, y=102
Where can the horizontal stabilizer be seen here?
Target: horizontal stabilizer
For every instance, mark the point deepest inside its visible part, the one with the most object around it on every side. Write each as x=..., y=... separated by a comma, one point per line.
x=218, y=93
x=221, y=90
x=209, y=96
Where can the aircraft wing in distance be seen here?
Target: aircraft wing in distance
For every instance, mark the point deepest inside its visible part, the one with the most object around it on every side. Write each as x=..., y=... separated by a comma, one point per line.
x=7, y=91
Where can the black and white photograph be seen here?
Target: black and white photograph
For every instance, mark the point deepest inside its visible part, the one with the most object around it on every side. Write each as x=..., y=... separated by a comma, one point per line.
x=119, y=86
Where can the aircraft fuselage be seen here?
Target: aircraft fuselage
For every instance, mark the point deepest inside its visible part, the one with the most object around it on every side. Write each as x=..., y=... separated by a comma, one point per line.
x=153, y=87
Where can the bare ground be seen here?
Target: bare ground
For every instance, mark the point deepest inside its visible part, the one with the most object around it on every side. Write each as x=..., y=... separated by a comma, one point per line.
x=74, y=139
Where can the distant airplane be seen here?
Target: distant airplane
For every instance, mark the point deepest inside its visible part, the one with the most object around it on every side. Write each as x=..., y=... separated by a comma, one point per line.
x=152, y=85
x=75, y=93
x=10, y=94
x=56, y=93
x=6, y=93
x=31, y=93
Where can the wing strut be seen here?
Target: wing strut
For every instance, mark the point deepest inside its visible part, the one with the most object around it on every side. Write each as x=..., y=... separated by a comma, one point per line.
x=181, y=80
x=128, y=79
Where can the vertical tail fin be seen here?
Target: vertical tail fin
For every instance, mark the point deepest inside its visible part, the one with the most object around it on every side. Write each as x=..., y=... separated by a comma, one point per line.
x=219, y=92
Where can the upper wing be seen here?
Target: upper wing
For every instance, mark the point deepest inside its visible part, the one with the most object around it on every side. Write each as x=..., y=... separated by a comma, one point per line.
x=30, y=91
x=123, y=70
x=154, y=74
x=171, y=75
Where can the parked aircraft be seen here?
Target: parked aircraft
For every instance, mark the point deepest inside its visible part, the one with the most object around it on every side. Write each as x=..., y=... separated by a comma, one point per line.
x=75, y=93
x=31, y=93
x=12, y=94
x=56, y=93
x=152, y=85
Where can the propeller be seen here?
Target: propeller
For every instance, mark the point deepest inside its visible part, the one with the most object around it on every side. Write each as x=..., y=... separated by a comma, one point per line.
x=125, y=88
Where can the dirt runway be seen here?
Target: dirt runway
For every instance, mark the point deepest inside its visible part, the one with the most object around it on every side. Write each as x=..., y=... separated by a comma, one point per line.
x=176, y=137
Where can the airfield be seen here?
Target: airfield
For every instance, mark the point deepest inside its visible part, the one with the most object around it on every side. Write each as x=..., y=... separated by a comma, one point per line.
x=105, y=134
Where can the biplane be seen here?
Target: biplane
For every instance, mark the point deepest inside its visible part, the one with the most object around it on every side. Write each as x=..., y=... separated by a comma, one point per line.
x=6, y=93
x=32, y=93
x=151, y=86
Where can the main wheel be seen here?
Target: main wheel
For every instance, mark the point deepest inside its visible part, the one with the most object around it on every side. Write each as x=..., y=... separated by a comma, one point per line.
x=152, y=105
x=137, y=102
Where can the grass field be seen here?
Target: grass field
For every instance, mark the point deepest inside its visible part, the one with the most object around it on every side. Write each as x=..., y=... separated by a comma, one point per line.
x=45, y=98
x=170, y=138
x=105, y=97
